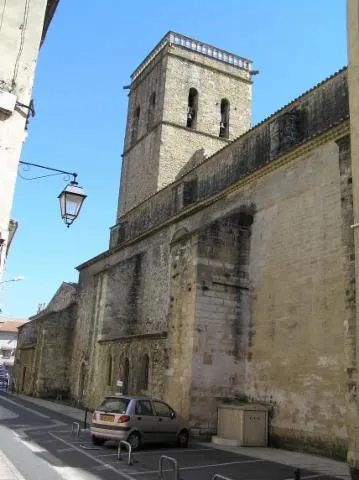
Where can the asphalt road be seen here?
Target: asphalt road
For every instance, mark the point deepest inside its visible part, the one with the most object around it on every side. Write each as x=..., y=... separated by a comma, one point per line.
x=40, y=444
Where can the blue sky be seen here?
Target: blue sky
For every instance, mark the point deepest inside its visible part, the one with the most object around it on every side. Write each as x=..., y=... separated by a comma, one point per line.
x=89, y=53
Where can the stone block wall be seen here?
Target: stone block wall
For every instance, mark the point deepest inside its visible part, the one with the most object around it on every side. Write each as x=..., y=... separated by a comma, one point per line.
x=109, y=359
x=297, y=285
x=307, y=117
x=122, y=298
x=54, y=352
x=277, y=334
x=214, y=81
x=221, y=330
x=181, y=319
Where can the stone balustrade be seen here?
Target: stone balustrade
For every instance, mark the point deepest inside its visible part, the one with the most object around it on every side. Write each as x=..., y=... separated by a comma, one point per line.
x=172, y=38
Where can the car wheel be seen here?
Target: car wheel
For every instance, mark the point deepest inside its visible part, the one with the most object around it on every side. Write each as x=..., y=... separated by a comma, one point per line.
x=183, y=438
x=97, y=441
x=134, y=439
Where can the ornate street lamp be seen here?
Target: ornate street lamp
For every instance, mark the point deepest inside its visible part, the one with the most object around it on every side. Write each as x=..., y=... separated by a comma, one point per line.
x=71, y=200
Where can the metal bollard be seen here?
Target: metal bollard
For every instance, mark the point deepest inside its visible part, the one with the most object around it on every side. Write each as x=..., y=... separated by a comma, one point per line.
x=75, y=428
x=170, y=460
x=85, y=419
x=129, y=448
x=296, y=474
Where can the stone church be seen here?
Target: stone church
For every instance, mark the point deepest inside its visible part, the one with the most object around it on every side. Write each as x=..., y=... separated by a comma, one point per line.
x=230, y=272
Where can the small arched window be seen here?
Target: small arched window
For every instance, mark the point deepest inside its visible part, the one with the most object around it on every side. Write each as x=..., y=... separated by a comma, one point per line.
x=224, y=123
x=126, y=375
x=151, y=111
x=109, y=370
x=135, y=123
x=192, y=108
x=145, y=366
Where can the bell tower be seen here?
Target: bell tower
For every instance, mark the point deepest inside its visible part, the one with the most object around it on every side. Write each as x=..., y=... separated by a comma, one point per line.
x=187, y=100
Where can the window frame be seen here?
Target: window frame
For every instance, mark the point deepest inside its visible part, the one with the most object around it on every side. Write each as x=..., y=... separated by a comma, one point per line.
x=162, y=403
x=152, y=414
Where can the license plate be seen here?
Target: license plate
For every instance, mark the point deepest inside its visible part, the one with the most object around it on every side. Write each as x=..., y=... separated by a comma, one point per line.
x=107, y=418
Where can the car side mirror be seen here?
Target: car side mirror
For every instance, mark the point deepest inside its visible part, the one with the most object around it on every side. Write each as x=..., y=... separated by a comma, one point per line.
x=173, y=415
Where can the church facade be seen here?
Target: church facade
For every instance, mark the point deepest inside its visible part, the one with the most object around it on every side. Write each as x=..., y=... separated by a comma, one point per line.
x=230, y=273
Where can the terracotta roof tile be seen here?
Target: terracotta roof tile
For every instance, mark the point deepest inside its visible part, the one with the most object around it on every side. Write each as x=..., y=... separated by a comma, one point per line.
x=10, y=324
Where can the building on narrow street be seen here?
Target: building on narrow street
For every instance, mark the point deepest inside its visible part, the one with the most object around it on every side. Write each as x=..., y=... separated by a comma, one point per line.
x=230, y=273
x=45, y=347
x=8, y=338
x=23, y=29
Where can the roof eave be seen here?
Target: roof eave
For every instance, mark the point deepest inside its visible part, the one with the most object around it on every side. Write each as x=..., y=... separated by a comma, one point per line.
x=49, y=13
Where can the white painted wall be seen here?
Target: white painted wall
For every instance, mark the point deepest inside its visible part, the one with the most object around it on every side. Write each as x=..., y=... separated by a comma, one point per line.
x=21, y=24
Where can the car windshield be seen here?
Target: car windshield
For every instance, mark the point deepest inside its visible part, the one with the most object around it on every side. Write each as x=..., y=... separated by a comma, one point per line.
x=114, y=405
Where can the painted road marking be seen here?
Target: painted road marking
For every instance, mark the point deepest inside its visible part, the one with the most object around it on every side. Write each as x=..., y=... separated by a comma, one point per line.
x=97, y=460
x=163, y=452
x=110, y=455
x=311, y=476
x=25, y=408
x=64, y=431
x=196, y=467
x=174, y=450
x=70, y=473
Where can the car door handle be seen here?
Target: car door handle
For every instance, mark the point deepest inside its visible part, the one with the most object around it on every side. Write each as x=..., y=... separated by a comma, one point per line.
x=139, y=418
x=160, y=419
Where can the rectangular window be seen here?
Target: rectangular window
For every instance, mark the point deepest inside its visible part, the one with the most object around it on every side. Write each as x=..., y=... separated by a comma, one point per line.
x=162, y=409
x=143, y=407
x=114, y=405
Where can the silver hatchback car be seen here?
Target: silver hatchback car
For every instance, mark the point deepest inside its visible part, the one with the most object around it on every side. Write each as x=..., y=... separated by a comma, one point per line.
x=138, y=420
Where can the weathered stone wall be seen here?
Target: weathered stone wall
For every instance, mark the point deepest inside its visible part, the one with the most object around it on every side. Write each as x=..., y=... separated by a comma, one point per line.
x=45, y=347
x=296, y=359
x=24, y=358
x=139, y=175
x=122, y=298
x=353, y=82
x=181, y=320
x=109, y=358
x=254, y=310
x=140, y=162
x=221, y=333
x=214, y=81
x=302, y=120
x=54, y=353
x=258, y=312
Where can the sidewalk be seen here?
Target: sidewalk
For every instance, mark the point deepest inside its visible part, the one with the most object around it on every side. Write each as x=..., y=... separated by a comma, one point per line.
x=7, y=469
x=306, y=461
x=300, y=460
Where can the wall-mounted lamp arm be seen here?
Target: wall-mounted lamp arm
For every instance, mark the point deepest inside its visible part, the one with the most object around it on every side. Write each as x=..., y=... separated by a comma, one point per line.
x=50, y=168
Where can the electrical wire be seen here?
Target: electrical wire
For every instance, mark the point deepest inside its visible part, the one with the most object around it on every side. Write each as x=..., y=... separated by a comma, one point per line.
x=2, y=14
x=22, y=41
